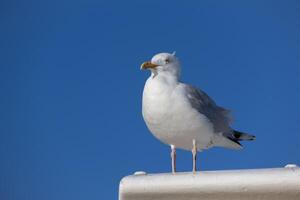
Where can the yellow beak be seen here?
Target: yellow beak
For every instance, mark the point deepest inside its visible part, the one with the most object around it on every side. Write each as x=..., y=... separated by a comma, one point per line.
x=148, y=65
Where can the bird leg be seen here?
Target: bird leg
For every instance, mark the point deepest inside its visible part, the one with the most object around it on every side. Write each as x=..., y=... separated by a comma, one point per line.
x=173, y=156
x=194, y=152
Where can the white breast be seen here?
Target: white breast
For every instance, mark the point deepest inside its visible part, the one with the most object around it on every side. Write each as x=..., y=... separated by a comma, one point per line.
x=170, y=117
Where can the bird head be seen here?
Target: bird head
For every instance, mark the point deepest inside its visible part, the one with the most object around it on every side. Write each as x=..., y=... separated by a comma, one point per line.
x=163, y=63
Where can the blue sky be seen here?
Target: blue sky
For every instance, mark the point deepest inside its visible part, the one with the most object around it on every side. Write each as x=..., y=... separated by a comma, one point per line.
x=71, y=124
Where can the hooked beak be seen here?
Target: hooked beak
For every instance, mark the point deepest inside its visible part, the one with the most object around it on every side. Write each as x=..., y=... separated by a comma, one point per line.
x=148, y=65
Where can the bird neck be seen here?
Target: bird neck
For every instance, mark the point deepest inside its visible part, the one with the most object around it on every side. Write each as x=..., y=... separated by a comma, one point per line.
x=166, y=77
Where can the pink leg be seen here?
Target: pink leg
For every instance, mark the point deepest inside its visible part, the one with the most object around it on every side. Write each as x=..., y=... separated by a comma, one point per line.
x=173, y=157
x=194, y=152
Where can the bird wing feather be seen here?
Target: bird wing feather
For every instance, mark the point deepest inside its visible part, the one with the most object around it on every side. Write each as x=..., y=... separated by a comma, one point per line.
x=199, y=100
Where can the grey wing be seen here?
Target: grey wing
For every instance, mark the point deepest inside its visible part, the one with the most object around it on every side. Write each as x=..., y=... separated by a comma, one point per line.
x=200, y=101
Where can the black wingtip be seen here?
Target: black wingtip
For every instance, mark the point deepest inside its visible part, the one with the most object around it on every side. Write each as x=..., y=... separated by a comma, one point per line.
x=253, y=137
x=238, y=135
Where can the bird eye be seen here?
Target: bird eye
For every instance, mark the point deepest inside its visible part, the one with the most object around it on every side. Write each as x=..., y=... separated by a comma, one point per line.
x=167, y=61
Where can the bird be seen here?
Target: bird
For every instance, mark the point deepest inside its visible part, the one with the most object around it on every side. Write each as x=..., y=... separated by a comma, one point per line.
x=183, y=116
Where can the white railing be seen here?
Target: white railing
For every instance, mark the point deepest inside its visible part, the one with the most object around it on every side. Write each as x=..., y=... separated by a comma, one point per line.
x=262, y=184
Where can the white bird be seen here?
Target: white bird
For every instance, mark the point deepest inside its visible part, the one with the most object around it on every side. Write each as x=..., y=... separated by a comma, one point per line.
x=181, y=115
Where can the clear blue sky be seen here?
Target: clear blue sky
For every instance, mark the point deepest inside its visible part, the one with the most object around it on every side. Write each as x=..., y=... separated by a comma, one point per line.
x=71, y=123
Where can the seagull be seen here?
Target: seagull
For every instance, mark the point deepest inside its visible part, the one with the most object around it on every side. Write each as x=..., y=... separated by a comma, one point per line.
x=183, y=116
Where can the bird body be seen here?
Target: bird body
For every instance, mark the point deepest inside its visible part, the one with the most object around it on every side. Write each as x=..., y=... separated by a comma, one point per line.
x=170, y=117
x=181, y=115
